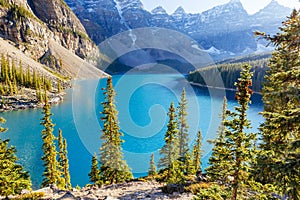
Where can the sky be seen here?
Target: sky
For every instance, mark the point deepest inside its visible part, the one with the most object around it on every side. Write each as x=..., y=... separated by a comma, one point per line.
x=198, y=6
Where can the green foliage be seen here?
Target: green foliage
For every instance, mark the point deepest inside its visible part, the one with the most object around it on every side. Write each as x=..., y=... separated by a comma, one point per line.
x=152, y=169
x=94, y=173
x=65, y=180
x=278, y=160
x=30, y=196
x=169, y=152
x=12, y=177
x=51, y=173
x=230, y=72
x=4, y=3
x=19, y=12
x=219, y=160
x=237, y=140
x=197, y=152
x=183, y=127
x=213, y=192
x=12, y=79
x=113, y=168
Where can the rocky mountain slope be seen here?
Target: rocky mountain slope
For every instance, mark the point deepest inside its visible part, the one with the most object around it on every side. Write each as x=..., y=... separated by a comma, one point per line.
x=42, y=28
x=223, y=31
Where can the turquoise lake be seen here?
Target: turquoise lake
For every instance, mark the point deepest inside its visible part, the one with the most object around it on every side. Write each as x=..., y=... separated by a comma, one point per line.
x=142, y=101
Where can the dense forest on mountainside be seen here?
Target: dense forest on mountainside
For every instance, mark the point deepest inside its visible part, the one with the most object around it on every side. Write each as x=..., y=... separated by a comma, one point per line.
x=230, y=72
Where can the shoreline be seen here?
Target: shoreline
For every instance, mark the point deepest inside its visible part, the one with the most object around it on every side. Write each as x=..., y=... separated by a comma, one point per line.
x=218, y=88
x=18, y=102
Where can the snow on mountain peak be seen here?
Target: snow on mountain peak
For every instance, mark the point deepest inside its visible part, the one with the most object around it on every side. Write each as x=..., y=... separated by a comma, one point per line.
x=180, y=11
x=159, y=11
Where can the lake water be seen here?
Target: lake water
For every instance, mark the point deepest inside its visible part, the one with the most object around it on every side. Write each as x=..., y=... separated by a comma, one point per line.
x=142, y=101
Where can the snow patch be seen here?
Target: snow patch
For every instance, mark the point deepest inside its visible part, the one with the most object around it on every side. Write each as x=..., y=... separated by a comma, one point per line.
x=213, y=50
x=261, y=48
x=123, y=21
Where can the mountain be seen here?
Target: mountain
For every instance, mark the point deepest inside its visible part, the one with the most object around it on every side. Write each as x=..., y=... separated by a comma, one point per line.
x=47, y=32
x=223, y=31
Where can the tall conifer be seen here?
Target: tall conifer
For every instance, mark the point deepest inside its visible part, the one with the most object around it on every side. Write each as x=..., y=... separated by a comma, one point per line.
x=237, y=140
x=51, y=173
x=94, y=173
x=197, y=152
x=219, y=160
x=170, y=152
x=278, y=161
x=63, y=160
x=183, y=127
x=114, y=168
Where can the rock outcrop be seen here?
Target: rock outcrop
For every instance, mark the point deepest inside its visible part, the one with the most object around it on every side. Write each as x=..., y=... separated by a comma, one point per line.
x=32, y=24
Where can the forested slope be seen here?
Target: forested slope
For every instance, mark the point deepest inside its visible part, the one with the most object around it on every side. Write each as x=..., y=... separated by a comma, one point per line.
x=230, y=71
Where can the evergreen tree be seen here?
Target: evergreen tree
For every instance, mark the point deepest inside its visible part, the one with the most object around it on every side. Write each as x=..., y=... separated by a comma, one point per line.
x=183, y=127
x=67, y=175
x=240, y=143
x=12, y=177
x=94, y=173
x=51, y=173
x=21, y=74
x=114, y=168
x=197, y=152
x=63, y=161
x=152, y=169
x=59, y=88
x=278, y=160
x=169, y=151
x=219, y=160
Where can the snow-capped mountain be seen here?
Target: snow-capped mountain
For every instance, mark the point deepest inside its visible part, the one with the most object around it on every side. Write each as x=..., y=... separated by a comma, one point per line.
x=225, y=30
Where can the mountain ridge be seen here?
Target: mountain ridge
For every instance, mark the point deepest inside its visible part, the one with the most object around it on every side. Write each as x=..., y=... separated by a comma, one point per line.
x=217, y=28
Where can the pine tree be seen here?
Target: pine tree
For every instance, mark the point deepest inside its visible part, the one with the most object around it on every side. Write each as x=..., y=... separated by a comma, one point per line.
x=219, y=160
x=169, y=152
x=94, y=173
x=51, y=173
x=240, y=143
x=278, y=160
x=197, y=152
x=183, y=127
x=59, y=88
x=152, y=169
x=28, y=80
x=114, y=168
x=21, y=74
x=12, y=177
x=65, y=180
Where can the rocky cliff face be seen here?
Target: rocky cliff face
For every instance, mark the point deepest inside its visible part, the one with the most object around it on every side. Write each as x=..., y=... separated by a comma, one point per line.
x=32, y=24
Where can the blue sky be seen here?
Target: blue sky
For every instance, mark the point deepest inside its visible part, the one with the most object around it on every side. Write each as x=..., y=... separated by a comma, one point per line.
x=196, y=6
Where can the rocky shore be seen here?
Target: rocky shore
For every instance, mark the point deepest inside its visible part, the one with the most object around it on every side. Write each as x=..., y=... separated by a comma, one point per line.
x=27, y=100
x=127, y=191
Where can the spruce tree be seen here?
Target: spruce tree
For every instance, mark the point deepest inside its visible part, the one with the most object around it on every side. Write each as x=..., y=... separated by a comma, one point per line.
x=63, y=160
x=219, y=160
x=278, y=160
x=94, y=173
x=237, y=140
x=113, y=168
x=169, y=152
x=197, y=152
x=12, y=176
x=183, y=127
x=152, y=168
x=51, y=173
